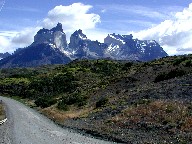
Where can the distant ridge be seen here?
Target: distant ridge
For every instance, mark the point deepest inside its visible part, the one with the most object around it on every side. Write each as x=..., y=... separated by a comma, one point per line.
x=51, y=47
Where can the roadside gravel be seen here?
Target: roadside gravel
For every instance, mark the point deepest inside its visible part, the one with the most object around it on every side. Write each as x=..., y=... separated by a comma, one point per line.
x=26, y=126
x=5, y=130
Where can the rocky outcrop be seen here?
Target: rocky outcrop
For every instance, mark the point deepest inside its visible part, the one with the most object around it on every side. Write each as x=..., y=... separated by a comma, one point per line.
x=4, y=55
x=82, y=47
x=77, y=39
x=54, y=36
x=124, y=47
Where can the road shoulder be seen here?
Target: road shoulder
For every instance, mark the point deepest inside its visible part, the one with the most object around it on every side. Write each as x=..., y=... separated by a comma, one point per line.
x=2, y=113
x=5, y=126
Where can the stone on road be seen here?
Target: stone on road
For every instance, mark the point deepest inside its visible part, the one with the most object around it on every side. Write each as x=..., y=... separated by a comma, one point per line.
x=26, y=126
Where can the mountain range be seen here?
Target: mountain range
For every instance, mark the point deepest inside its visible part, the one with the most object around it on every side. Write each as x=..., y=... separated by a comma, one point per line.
x=50, y=47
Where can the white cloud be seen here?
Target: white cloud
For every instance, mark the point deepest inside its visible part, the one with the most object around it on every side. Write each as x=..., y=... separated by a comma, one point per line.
x=5, y=41
x=25, y=37
x=139, y=10
x=147, y=12
x=72, y=17
x=174, y=35
x=11, y=40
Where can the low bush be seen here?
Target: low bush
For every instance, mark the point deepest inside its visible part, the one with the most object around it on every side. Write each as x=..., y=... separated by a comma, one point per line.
x=127, y=66
x=75, y=98
x=62, y=106
x=142, y=101
x=14, y=86
x=44, y=102
x=53, y=84
x=177, y=61
x=188, y=63
x=103, y=101
x=106, y=68
x=169, y=75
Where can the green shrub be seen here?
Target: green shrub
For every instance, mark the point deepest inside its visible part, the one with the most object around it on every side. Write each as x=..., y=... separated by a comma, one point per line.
x=188, y=63
x=14, y=86
x=160, y=77
x=53, y=84
x=106, y=68
x=67, y=100
x=75, y=98
x=44, y=102
x=127, y=65
x=142, y=101
x=169, y=109
x=62, y=106
x=177, y=61
x=169, y=75
x=103, y=101
x=145, y=64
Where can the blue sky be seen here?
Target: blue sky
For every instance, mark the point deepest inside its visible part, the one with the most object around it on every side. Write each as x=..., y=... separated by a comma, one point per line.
x=167, y=21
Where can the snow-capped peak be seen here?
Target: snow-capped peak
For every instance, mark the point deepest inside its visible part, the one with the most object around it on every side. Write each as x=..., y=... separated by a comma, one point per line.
x=83, y=37
x=117, y=37
x=79, y=34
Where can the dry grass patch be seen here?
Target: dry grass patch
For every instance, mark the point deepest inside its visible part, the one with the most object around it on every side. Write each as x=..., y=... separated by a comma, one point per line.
x=187, y=127
x=59, y=116
x=157, y=113
x=30, y=103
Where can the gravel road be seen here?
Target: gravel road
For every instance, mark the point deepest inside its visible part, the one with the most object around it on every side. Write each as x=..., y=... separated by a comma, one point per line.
x=26, y=126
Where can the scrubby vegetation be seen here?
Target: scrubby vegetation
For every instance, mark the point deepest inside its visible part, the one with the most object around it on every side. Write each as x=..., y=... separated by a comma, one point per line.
x=123, y=101
x=44, y=102
x=102, y=102
x=171, y=74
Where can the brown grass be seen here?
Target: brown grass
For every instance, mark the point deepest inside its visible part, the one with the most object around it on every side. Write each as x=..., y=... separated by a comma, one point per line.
x=159, y=112
x=60, y=116
x=187, y=127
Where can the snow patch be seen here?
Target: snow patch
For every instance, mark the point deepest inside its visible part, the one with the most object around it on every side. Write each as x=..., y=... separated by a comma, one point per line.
x=113, y=47
x=52, y=45
x=82, y=37
x=143, y=44
x=117, y=38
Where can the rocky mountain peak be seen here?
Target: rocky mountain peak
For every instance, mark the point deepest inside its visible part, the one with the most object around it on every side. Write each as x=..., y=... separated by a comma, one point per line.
x=79, y=34
x=57, y=28
x=52, y=43
x=77, y=39
x=117, y=39
x=55, y=37
x=124, y=47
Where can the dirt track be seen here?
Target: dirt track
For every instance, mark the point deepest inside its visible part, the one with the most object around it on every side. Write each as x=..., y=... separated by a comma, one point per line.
x=26, y=126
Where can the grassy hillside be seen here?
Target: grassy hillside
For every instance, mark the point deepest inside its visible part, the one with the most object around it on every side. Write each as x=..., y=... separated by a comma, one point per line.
x=122, y=101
